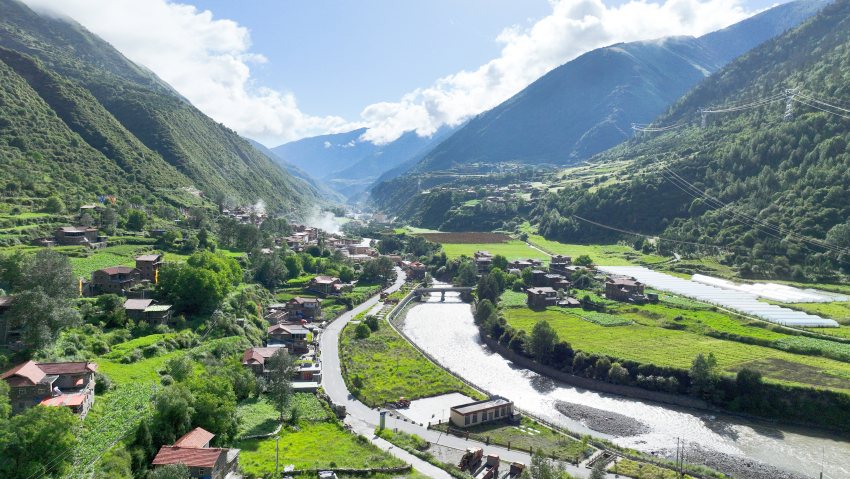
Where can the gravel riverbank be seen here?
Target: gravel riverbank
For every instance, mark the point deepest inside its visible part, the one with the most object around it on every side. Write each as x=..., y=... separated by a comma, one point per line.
x=606, y=422
x=736, y=466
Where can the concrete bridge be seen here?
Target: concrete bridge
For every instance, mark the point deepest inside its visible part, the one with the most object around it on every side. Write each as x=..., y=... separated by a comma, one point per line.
x=465, y=292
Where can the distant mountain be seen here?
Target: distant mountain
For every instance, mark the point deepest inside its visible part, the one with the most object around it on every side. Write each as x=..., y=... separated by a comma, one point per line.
x=349, y=164
x=588, y=105
x=765, y=192
x=84, y=120
x=318, y=188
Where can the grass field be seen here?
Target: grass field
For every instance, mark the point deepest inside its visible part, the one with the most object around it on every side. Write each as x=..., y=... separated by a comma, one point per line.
x=258, y=415
x=511, y=250
x=605, y=255
x=388, y=367
x=527, y=435
x=638, y=470
x=647, y=343
x=315, y=445
x=839, y=311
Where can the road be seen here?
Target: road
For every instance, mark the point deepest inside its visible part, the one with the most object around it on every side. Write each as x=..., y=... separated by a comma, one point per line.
x=363, y=419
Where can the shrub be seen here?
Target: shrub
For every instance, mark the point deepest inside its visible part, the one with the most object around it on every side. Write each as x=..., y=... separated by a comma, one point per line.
x=362, y=331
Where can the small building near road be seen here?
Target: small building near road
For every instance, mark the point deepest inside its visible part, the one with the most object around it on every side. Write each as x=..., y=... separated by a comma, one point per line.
x=325, y=285
x=416, y=270
x=304, y=308
x=193, y=451
x=293, y=336
x=69, y=384
x=540, y=298
x=255, y=358
x=494, y=409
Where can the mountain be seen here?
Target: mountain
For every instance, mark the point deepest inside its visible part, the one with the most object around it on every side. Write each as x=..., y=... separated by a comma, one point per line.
x=85, y=121
x=764, y=191
x=316, y=187
x=588, y=104
x=349, y=164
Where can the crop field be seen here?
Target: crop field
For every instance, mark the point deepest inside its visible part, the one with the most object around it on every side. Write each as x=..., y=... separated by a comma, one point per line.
x=639, y=470
x=467, y=237
x=511, y=250
x=512, y=299
x=388, y=367
x=677, y=348
x=605, y=255
x=337, y=447
x=839, y=311
x=601, y=319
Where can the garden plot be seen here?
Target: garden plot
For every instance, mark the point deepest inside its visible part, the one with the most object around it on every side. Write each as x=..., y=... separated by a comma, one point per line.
x=742, y=301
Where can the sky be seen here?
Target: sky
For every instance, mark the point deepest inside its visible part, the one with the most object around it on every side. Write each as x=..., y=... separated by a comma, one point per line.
x=281, y=70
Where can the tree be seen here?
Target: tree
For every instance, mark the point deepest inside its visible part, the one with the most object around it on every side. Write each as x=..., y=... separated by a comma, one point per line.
x=281, y=367
x=379, y=270
x=499, y=261
x=171, y=471
x=582, y=279
x=346, y=274
x=601, y=368
x=750, y=389
x=294, y=268
x=270, y=270
x=179, y=368
x=215, y=406
x=49, y=271
x=543, y=340
x=172, y=415
x=116, y=464
x=41, y=443
x=598, y=471
x=544, y=468
x=372, y=322
x=583, y=260
x=467, y=274
x=488, y=288
x=54, y=205
x=483, y=310
x=136, y=220
x=40, y=316
x=362, y=331
x=704, y=376
x=618, y=374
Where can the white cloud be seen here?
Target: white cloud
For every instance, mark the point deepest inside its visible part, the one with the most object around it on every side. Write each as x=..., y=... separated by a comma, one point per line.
x=207, y=60
x=573, y=28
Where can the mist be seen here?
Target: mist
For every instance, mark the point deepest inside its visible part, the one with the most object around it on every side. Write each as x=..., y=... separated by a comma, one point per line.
x=324, y=220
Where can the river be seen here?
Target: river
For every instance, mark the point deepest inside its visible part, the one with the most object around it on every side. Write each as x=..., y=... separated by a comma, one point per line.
x=447, y=332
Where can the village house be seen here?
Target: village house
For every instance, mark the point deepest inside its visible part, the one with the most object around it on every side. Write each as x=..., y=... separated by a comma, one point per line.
x=292, y=335
x=554, y=281
x=311, y=233
x=540, y=298
x=494, y=409
x=559, y=263
x=255, y=358
x=68, y=385
x=78, y=236
x=117, y=280
x=570, y=271
x=483, y=261
x=416, y=270
x=204, y=462
x=306, y=378
x=148, y=265
x=148, y=310
x=622, y=288
x=276, y=313
x=521, y=264
x=327, y=285
x=304, y=308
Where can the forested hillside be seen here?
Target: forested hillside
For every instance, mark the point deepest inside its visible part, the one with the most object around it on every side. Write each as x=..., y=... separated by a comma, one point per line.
x=88, y=121
x=768, y=193
x=588, y=104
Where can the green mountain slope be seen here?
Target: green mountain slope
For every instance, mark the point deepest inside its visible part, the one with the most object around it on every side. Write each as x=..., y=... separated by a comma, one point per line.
x=769, y=195
x=136, y=120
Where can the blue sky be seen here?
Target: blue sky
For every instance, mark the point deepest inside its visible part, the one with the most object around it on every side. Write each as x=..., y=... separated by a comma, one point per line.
x=280, y=70
x=339, y=57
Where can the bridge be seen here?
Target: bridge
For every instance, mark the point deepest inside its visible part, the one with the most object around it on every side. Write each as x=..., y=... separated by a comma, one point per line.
x=465, y=292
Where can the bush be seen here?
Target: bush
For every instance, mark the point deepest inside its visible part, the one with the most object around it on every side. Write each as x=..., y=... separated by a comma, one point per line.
x=362, y=331
x=372, y=322
x=102, y=383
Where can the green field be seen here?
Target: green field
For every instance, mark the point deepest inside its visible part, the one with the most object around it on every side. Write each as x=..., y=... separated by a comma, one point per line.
x=604, y=255
x=315, y=445
x=388, y=367
x=661, y=346
x=511, y=250
x=839, y=311
x=640, y=470
x=527, y=435
x=258, y=415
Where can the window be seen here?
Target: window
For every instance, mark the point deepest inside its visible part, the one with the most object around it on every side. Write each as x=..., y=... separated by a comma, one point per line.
x=474, y=417
x=465, y=420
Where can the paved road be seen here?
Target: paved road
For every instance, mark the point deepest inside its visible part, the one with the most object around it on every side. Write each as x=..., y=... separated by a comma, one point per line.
x=363, y=419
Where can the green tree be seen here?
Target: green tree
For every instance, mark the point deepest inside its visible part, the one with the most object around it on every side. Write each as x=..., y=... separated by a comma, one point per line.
x=618, y=374
x=171, y=471
x=214, y=406
x=598, y=471
x=54, y=205
x=362, y=331
x=583, y=260
x=50, y=272
x=379, y=270
x=544, y=468
x=179, y=368
x=136, y=220
x=346, y=274
x=173, y=413
x=488, y=288
x=483, y=310
x=294, y=268
x=602, y=368
x=282, y=368
x=372, y=322
x=115, y=464
x=704, y=376
x=40, y=316
x=499, y=261
x=270, y=270
x=542, y=343
x=467, y=274
x=41, y=443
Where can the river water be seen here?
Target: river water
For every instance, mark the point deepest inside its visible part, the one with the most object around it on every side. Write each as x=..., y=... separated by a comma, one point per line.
x=447, y=332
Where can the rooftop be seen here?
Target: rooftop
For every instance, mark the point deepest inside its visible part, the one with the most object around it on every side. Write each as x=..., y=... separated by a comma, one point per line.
x=468, y=408
x=118, y=270
x=189, y=456
x=149, y=257
x=198, y=437
x=68, y=400
x=137, y=304
x=541, y=290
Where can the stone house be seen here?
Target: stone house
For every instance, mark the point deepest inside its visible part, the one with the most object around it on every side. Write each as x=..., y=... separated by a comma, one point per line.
x=540, y=298
x=117, y=280
x=148, y=310
x=148, y=266
x=304, y=308
x=69, y=384
x=620, y=288
x=204, y=462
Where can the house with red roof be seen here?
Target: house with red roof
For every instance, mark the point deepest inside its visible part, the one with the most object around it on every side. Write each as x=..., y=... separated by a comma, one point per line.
x=255, y=358
x=115, y=279
x=304, y=308
x=204, y=462
x=68, y=385
x=326, y=285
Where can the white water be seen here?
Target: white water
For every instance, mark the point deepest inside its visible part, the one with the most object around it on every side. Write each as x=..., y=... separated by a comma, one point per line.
x=446, y=331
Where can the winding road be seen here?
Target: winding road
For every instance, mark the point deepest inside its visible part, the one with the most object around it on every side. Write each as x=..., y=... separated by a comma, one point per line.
x=363, y=419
